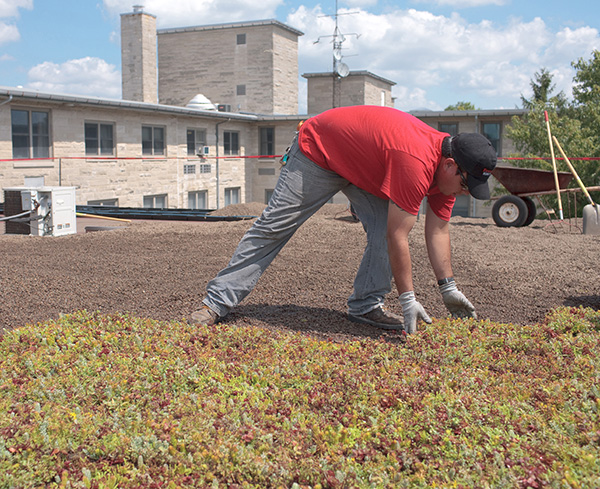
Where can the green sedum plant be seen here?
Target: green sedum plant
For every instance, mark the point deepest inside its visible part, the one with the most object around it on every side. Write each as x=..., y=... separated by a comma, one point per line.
x=96, y=401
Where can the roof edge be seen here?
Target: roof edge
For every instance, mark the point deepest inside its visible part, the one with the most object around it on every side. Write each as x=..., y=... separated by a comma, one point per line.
x=23, y=94
x=351, y=73
x=230, y=25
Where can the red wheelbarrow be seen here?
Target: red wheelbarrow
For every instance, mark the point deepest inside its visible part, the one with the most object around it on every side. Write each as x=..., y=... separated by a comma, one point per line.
x=518, y=208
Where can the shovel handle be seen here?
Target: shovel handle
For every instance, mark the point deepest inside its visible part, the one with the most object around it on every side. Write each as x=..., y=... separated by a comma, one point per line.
x=587, y=194
x=556, y=183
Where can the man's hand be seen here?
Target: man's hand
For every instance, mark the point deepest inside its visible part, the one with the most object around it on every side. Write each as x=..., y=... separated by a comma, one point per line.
x=412, y=311
x=458, y=305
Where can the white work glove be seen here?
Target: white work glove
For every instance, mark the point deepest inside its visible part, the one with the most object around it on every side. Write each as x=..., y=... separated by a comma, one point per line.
x=412, y=311
x=458, y=305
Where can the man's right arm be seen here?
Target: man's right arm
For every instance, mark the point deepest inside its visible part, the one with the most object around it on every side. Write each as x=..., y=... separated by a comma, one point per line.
x=399, y=226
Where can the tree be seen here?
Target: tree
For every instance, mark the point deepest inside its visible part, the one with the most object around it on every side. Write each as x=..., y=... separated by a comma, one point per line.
x=529, y=133
x=461, y=106
x=574, y=125
x=542, y=87
x=586, y=95
x=587, y=80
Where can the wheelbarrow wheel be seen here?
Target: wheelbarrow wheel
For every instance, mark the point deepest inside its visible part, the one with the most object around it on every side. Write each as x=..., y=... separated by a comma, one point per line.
x=531, y=210
x=509, y=211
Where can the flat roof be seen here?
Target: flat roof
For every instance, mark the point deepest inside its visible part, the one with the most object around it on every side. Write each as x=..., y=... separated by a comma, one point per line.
x=351, y=73
x=468, y=113
x=231, y=25
x=23, y=94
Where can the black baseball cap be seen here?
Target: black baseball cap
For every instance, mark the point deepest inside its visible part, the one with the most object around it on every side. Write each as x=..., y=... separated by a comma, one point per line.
x=475, y=154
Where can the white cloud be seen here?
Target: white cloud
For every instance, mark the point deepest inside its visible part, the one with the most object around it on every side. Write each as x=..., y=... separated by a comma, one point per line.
x=8, y=33
x=464, y=3
x=193, y=12
x=413, y=99
x=85, y=76
x=10, y=8
x=431, y=55
x=360, y=3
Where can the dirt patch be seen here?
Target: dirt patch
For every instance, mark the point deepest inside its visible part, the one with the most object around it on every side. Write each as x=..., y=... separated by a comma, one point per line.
x=160, y=270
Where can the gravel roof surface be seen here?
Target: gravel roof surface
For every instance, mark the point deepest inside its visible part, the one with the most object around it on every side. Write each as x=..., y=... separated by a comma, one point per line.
x=159, y=269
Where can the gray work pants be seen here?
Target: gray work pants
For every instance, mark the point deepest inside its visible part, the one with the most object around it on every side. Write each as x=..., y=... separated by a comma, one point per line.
x=302, y=189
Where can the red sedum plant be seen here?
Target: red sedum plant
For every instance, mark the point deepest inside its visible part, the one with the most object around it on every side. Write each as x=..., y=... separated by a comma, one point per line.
x=95, y=401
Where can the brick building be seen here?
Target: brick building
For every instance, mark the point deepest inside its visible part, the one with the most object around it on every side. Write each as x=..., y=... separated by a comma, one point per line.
x=227, y=92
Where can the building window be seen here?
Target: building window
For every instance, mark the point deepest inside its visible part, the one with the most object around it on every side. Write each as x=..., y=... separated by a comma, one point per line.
x=268, y=195
x=155, y=201
x=30, y=134
x=461, y=206
x=202, y=168
x=449, y=127
x=196, y=140
x=104, y=203
x=231, y=143
x=198, y=199
x=153, y=140
x=232, y=195
x=492, y=132
x=240, y=90
x=99, y=139
x=267, y=141
x=241, y=39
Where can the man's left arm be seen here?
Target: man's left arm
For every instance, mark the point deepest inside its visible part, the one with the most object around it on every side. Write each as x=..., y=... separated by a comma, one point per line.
x=437, y=238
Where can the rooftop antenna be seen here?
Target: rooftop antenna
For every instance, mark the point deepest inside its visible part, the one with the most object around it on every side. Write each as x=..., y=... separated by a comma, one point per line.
x=340, y=69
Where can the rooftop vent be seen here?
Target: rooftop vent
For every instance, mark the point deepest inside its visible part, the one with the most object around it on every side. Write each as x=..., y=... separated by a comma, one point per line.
x=201, y=102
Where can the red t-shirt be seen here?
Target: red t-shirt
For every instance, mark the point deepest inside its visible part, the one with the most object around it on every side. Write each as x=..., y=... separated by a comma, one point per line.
x=386, y=152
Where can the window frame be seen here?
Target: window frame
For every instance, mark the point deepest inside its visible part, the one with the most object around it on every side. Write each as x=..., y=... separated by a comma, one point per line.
x=33, y=147
x=99, y=138
x=229, y=192
x=496, y=143
x=231, y=143
x=154, y=198
x=104, y=202
x=266, y=141
x=268, y=194
x=198, y=138
x=193, y=195
x=452, y=133
x=150, y=146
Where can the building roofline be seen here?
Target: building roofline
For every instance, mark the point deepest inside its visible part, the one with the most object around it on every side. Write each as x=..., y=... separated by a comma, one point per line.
x=468, y=113
x=24, y=94
x=352, y=73
x=230, y=25
x=18, y=94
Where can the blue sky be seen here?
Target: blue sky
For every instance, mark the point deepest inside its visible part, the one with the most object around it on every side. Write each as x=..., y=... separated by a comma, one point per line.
x=438, y=52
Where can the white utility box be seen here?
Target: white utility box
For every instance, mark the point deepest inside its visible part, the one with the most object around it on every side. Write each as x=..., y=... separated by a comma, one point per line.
x=51, y=210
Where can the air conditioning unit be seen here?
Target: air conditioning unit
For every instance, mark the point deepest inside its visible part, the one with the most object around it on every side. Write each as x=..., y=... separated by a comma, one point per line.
x=224, y=108
x=203, y=150
x=43, y=211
